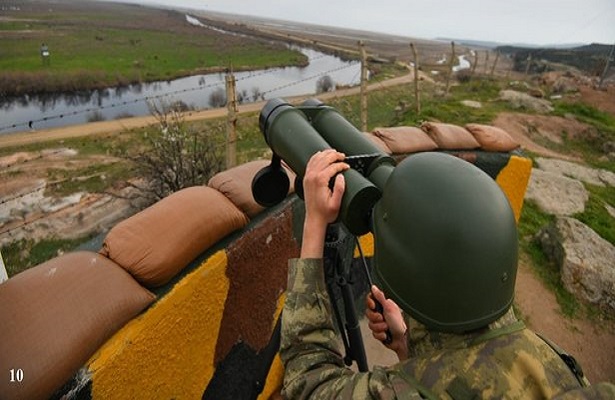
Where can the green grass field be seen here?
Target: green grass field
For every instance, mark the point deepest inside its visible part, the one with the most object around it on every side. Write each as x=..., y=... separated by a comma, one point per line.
x=95, y=45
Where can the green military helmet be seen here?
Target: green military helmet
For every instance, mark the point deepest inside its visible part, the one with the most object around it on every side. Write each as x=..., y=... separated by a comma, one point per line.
x=445, y=243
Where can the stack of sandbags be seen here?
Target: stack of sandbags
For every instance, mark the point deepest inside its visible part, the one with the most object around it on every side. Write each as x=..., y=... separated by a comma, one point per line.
x=450, y=137
x=158, y=242
x=432, y=136
x=56, y=315
x=492, y=138
x=376, y=140
x=404, y=139
x=236, y=185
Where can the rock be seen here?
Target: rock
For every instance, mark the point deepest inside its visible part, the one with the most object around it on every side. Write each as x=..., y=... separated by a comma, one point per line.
x=598, y=177
x=565, y=85
x=535, y=92
x=556, y=194
x=587, y=261
x=525, y=101
x=472, y=103
x=608, y=147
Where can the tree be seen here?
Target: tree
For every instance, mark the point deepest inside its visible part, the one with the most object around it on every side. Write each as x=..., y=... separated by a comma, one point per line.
x=324, y=84
x=177, y=156
x=256, y=94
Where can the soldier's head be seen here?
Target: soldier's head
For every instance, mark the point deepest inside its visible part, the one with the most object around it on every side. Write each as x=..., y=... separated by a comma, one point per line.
x=445, y=243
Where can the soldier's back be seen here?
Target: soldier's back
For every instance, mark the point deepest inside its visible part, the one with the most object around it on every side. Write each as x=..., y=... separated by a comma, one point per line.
x=517, y=365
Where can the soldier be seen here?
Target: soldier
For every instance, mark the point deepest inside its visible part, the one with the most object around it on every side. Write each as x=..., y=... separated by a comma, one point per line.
x=454, y=277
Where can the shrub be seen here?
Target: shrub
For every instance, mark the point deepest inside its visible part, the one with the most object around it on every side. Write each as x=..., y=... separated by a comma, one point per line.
x=464, y=76
x=177, y=156
x=95, y=116
x=324, y=84
x=217, y=98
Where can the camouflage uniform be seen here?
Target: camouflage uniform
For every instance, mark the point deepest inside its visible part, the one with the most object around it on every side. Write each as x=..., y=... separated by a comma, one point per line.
x=504, y=360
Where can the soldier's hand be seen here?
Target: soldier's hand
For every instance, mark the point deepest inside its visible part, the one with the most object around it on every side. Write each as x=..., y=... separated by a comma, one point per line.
x=390, y=319
x=322, y=204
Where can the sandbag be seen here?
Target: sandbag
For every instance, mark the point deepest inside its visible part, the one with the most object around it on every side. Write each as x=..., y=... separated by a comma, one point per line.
x=405, y=139
x=450, y=137
x=158, y=242
x=492, y=138
x=56, y=315
x=382, y=146
x=236, y=184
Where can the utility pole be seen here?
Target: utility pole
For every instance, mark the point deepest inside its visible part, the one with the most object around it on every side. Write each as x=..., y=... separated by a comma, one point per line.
x=450, y=68
x=231, y=121
x=607, y=66
x=417, y=96
x=363, y=86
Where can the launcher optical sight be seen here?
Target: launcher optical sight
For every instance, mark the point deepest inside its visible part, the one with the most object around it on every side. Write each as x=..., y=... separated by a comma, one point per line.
x=296, y=133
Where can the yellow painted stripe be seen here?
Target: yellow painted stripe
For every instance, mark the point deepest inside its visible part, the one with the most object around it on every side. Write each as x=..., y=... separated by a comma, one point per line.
x=275, y=377
x=367, y=245
x=513, y=180
x=168, y=352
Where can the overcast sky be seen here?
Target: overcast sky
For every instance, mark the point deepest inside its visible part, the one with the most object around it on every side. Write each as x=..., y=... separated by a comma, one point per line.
x=508, y=21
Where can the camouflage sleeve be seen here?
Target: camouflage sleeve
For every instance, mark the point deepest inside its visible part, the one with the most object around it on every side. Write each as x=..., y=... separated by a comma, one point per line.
x=309, y=349
x=603, y=390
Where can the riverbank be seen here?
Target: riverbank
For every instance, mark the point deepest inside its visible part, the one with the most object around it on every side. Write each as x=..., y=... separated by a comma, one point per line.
x=25, y=138
x=96, y=45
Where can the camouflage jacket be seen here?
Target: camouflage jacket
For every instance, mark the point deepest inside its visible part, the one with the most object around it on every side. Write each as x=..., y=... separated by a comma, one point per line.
x=504, y=360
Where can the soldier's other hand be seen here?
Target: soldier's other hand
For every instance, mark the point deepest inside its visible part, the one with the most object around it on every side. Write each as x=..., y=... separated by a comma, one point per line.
x=390, y=319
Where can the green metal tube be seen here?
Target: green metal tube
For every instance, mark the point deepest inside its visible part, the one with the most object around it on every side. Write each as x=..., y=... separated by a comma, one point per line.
x=341, y=134
x=290, y=135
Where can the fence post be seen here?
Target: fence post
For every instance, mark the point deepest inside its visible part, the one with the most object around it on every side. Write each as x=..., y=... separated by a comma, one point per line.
x=450, y=67
x=486, y=61
x=606, y=67
x=417, y=96
x=512, y=67
x=497, y=57
x=529, y=62
x=231, y=121
x=363, y=86
x=475, y=64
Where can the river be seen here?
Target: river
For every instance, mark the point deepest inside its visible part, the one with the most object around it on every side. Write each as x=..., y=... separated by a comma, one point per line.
x=28, y=113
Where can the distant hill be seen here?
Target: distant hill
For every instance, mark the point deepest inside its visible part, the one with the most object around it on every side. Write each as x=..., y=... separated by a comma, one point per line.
x=587, y=58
